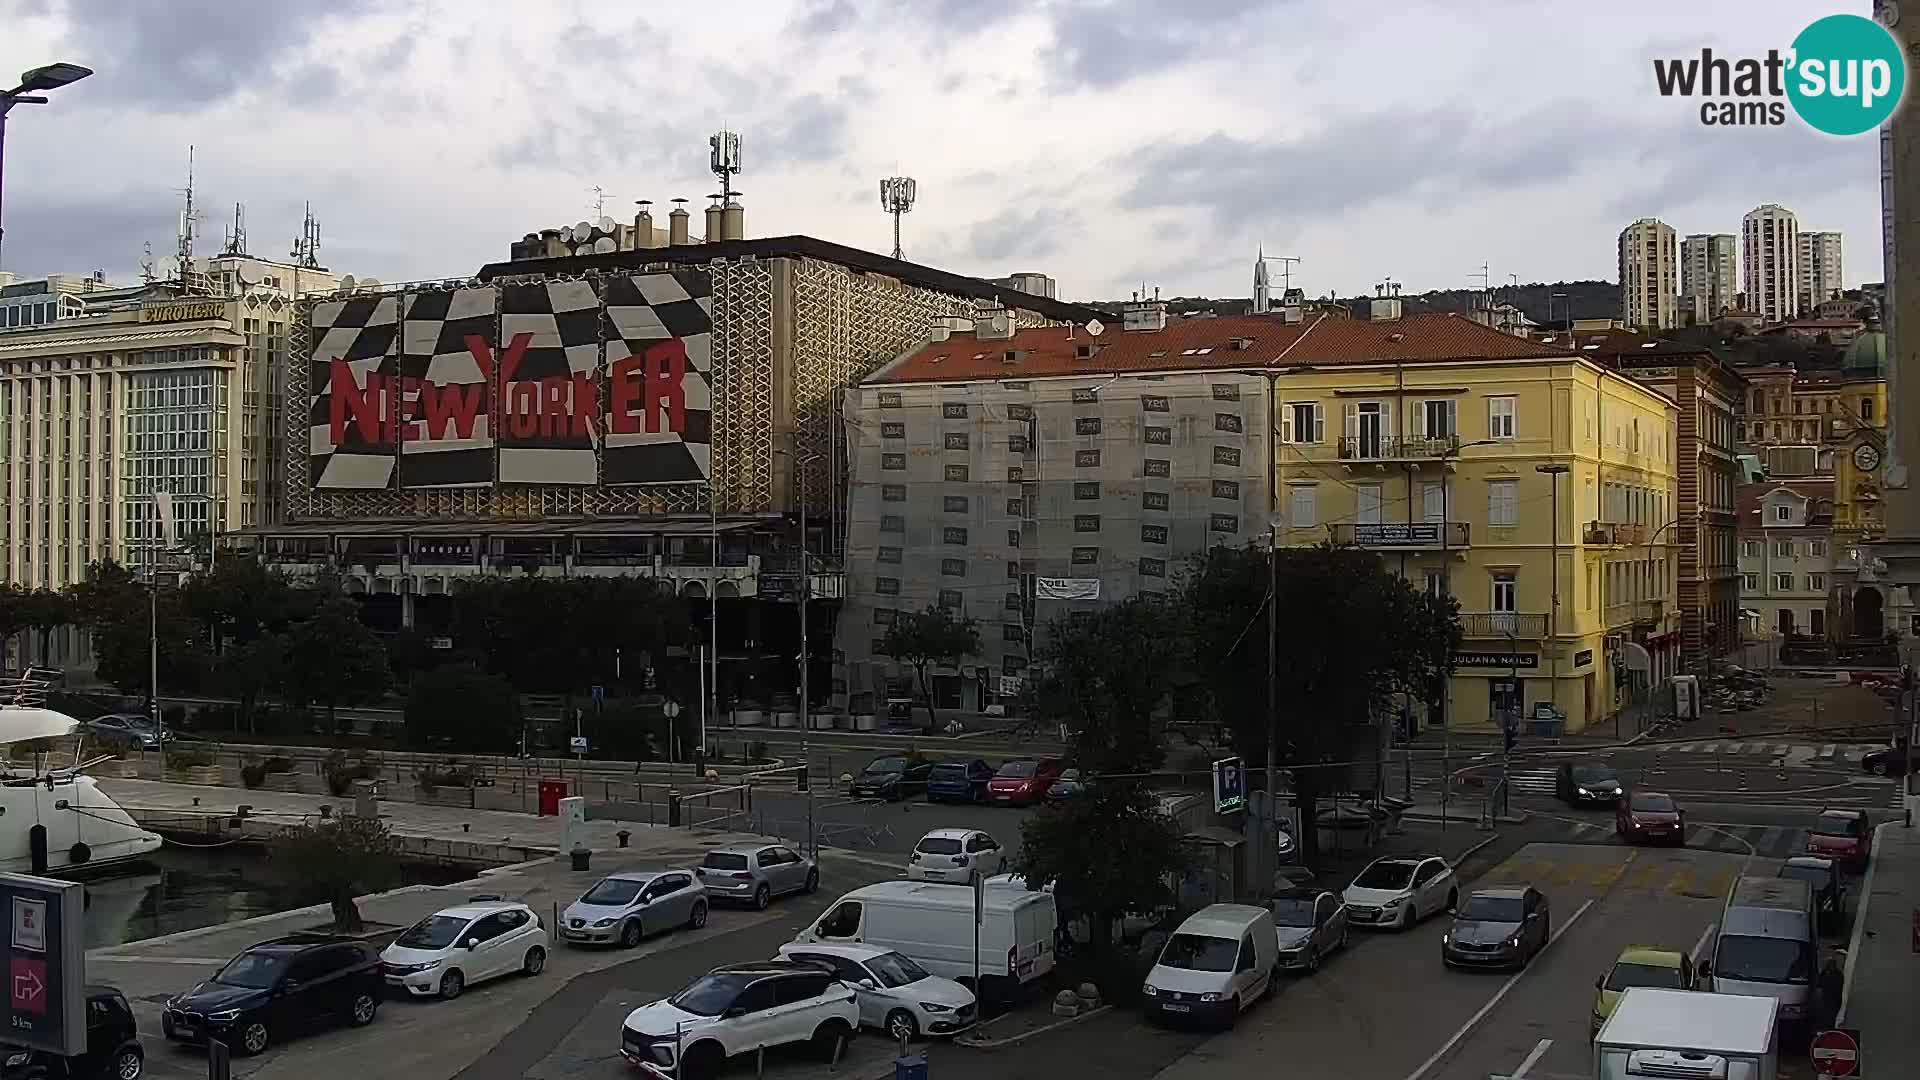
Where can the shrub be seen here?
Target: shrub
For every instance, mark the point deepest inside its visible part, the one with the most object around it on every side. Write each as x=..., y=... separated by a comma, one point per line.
x=452, y=774
x=253, y=774
x=182, y=760
x=341, y=773
x=277, y=763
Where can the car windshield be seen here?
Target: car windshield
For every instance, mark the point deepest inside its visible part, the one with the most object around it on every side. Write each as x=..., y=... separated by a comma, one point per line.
x=894, y=970
x=946, y=772
x=612, y=892
x=1385, y=875
x=1593, y=774
x=1744, y=958
x=938, y=845
x=887, y=765
x=1627, y=976
x=1812, y=875
x=1836, y=825
x=724, y=860
x=1653, y=804
x=1070, y=774
x=710, y=995
x=1017, y=769
x=1293, y=912
x=1196, y=952
x=1506, y=909
x=253, y=971
x=432, y=932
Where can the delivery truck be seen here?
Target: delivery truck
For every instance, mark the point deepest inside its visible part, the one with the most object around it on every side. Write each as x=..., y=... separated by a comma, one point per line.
x=1688, y=1035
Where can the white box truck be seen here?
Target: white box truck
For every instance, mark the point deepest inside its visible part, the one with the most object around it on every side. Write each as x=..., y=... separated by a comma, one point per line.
x=933, y=924
x=1687, y=1035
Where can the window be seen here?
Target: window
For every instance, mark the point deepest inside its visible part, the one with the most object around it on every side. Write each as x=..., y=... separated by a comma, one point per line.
x=1086, y=523
x=1817, y=548
x=1016, y=474
x=1086, y=556
x=893, y=461
x=1750, y=583
x=1013, y=633
x=1818, y=620
x=1300, y=507
x=893, y=493
x=1816, y=583
x=954, y=504
x=1016, y=444
x=954, y=410
x=1506, y=593
x=1226, y=489
x=1503, y=502
x=1750, y=549
x=888, y=555
x=1866, y=408
x=1019, y=413
x=1366, y=500
x=1086, y=425
x=1500, y=417
x=1228, y=422
x=1158, y=436
x=894, y=523
x=1783, y=549
x=1155, y=500
x=1016, y=507
x=1157, y=467
x=1153, y=568
x=893, y=429
x=887, y=586
x=1436, y=419
x=952, y=535
x=956, y=474
x=1011, y=602
x=1086, y=489
x=1155, y=403
x=1086, y=396
x=1783, y=582
x=956, y=440
x=1226, y=455
x=953, y=567
x=1013, y=537
x=1782, y=512
x=1086, y=459
x=1223, y=523
x=1303, y=422
x=889, y=399
x=1153, y=534
x=1431, y=508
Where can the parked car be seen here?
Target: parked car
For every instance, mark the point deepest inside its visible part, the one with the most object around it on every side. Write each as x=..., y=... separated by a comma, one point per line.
x=1887, y=760
x=136, y=730
x=113, y=1047
x=1650, y=815
x=1586, y=785
x=1309, y=924
x=1023, y=782
x=1215, y=966
x=959, y=781
x=1498, y=926
x=756, y=873
x=895, y=994
x=275, y=987
x=955, y=855
x=735, y=1010
x=450, y=950
x=1638, y=965
x=1843, y=836
x=892, y=778
x=628, y=906
x=1071, y=784
x=1400, y=890
x=1829, y=891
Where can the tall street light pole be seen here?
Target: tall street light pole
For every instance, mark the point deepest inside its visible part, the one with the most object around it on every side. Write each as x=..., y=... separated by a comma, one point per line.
x=1553, y=471
x=1447, y=456
x=48, y=77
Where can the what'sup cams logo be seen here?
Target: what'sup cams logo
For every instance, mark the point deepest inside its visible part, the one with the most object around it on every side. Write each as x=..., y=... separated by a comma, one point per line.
x=1844, y=75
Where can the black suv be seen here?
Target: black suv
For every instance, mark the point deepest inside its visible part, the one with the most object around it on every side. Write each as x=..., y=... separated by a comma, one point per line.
x=277, y=986
x=113, y=1047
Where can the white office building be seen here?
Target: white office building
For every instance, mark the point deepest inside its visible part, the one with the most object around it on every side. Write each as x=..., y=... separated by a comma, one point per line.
x=1819, y=255
x=1708, y=275
x=1649, y=278
x=1770, y=262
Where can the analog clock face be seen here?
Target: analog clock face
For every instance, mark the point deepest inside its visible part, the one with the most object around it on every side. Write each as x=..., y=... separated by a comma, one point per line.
x=1866, y=458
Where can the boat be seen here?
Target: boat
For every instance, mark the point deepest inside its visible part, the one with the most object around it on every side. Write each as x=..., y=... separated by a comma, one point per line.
x=57, y=821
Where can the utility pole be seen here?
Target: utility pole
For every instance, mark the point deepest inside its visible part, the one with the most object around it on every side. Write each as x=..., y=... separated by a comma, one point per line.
x=1446, y=692
x=1554, y=470
x=806, y=662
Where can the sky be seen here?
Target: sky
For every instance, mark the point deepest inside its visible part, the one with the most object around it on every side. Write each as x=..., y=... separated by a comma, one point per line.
x=1113, y=145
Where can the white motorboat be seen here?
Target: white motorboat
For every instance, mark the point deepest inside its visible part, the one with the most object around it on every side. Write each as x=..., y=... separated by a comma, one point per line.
x=64, y=808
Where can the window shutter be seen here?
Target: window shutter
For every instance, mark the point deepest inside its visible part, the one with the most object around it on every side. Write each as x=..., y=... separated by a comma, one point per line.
x=1319, y=423
x=1420, y=427
x=1386, y=420
x=1286, y=423
x=1352, y=430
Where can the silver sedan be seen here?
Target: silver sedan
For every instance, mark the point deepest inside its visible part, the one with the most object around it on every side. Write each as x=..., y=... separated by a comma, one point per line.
x=1310, y=924
x=756, y=873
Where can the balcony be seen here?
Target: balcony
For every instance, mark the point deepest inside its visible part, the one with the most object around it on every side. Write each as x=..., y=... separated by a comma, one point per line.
x=1632, y=612
x=1384, y=448
x=1615, y=533
x=1503, y=624
x=1403, y=536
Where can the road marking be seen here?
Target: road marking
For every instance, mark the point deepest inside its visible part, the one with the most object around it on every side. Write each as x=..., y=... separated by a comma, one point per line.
x=1700, y=947
x=184, y=961
x=1827, y=749
x=1737, y=748
x=1526, y=1063
x=1859, y=925
x=1505, y=988
x=1769, y=837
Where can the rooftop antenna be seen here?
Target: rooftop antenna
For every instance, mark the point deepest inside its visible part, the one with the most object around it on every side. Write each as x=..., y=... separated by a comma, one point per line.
x=896, y=198
x=1286, y=269
x=237, y=233
x=723, y=161
x=147, y=272
x=183, y=235
x=306, y=246
x=599, y=202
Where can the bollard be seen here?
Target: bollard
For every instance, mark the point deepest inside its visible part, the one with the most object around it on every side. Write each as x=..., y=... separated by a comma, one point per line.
x=673, y=808
x=581, y=856
x=800, y=778
x=623, y=836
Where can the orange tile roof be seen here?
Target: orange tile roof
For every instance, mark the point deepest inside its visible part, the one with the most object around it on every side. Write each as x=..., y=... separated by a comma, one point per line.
x=1197, y=344
x=1748, y=499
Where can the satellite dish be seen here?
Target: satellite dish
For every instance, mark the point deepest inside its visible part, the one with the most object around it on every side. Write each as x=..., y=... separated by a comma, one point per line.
x=370, y=283
x=582, y=230
x=606, y=224
x=1095, y=328
x=248, y=273
x=604, y=245
x=566, y=234
x=347, y=282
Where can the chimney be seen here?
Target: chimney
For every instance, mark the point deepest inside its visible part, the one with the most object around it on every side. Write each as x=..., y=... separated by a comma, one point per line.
x=715, y=214
x=1293, y=305
x=677, y=224
x=550, y=241
x=1386, y=302
x=733, y=220
x=643, y=224
x=1148, y=315
x=993, y=323
x=1085, y=350
x=939, y=331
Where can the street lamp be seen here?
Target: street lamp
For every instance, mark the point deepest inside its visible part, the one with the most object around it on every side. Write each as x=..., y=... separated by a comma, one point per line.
x=1554, y=470
x=1446, y=591
x=32, y=82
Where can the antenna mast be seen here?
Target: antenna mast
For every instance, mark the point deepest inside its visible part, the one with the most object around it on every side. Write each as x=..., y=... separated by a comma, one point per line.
x=724, y=162
x=599, y=203
x=306, y=246
x=237, y=233
x=147, y=272
x=183, y=236
x=1286, y=270
x=897, y=194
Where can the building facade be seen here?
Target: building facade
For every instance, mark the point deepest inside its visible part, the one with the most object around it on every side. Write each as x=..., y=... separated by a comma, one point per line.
x=39, y=301
x=1770, y=262
x=1819, y=258
x=1709, y=274
x=1786, y=554
x=1008, y=462
x=1649, y=275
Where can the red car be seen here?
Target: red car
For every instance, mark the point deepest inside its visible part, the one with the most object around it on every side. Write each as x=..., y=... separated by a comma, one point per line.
x=1843, y=836
x=1023, y=782
x=1650, y=815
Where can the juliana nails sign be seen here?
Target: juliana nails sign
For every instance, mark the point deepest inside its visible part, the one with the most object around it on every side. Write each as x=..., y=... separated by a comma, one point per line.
x=184, y=310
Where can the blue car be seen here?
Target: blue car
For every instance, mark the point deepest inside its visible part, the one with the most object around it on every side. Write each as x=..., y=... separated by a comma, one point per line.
x=959, y=781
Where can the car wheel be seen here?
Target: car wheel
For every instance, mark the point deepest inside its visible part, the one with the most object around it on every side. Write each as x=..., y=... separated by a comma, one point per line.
x=128, y=1064
x=1878, y=768
x=254, y=1038
x=363, y=1009
x=1313, y=959
x=698, y=918
x=702, y=1061
x=630, y=934
x=1343, y=936
x=535, y=961
x=813, y=880
x=902, y=1025
x=761, y=897
x=829, y=1038
x=1453, y=900
x=452, y=985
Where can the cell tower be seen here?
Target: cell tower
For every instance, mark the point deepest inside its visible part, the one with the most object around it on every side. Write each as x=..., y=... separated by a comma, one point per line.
x=183, y=236
x=237, y=232
x=306, y=247
x=896, y=198
x=724, y=161
x=148, y=273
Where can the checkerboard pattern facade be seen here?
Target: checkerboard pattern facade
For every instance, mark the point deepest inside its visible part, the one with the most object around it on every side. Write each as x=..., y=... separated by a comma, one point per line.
x=359, y=332
x=562, y=319
x=643, y=310
x=434, y=349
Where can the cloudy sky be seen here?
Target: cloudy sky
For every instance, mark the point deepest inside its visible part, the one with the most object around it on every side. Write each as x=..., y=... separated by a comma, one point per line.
x=1107, y=143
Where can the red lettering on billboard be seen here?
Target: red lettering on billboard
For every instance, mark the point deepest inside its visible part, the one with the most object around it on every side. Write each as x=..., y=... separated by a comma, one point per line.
x=346, y=401
x=644, y=385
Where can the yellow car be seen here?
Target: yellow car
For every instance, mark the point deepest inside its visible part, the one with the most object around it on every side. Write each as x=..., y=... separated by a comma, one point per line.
x=1638, y=965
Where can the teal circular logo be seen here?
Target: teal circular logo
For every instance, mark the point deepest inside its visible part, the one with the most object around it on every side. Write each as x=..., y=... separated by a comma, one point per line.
x=1846, y=75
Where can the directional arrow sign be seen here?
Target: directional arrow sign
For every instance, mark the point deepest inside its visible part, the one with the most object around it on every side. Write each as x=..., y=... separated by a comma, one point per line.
x=29, y=985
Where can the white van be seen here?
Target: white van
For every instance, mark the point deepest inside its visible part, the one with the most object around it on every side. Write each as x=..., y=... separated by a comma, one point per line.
x=933, y=925
x=1219, y=962
x=1768, y=946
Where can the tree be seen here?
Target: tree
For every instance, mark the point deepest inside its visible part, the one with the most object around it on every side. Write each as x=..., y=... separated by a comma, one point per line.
x=1072, y=846
x=47, y=611
x=15, y=616
x=925, y=638
x=333, y=659
x=238, y=599
x=249, y=669
x=344, y=859
x=119, y=613
x=1350, y=635
x=561, y=635
x=461, y=708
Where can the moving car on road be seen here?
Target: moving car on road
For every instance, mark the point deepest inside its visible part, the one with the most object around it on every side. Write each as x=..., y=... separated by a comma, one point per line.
x=756, y=873
x=450, y=950
x=1638, y=965
x=1887, y=760
x=1829, y=892
x=1498, y=926
x=1648, y=816
x=895, y=994
x=959, y=781
x=113, y=1047
x=737, y=1009
x=137, y=731
x=277, y=986
x=956, y=856
x=1400, y=890
x=1843, y=836
x=1023, y=782
x=1586, y=785
x=1217, y=964
x=1309, y=923
x=892, y=778
x=628, y=906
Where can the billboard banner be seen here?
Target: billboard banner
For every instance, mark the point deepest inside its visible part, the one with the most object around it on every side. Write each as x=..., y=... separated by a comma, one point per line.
x=352, y=386
x=446, y=392
x=547, y=366
x=659, y=331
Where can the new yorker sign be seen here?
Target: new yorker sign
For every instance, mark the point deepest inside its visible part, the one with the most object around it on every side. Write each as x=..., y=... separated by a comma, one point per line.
x=181, y=311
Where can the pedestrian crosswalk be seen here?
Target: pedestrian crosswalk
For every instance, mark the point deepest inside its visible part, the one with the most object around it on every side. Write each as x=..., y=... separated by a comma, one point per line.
x=1791, y=752
x=1765, y=841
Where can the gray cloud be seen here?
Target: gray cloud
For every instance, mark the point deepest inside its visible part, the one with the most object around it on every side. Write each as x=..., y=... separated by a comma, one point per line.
x=1019, y=230
x=1107, y=44
x=1686, y=164
x=810, y=128
x=821, y=17
x=61, y=230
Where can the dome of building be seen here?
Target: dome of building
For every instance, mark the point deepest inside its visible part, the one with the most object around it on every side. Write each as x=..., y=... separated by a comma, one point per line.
x=1867, y=354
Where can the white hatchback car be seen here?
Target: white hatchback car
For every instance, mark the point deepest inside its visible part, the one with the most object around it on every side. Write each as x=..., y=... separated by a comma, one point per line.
x=896, y=995
x=450, y=950
x=1400, y=890
x=956, y=856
